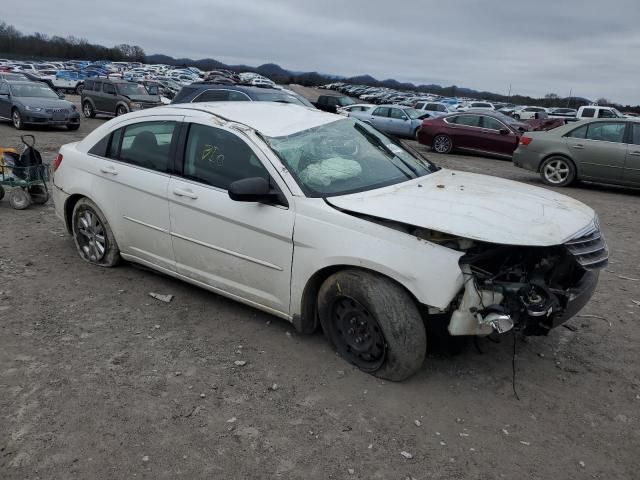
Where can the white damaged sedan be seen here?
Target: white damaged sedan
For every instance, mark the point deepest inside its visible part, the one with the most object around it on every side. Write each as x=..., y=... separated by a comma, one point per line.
x=323, y=220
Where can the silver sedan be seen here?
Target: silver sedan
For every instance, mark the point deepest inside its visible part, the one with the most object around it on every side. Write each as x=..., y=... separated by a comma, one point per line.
x=603, y=150
x=394, y=119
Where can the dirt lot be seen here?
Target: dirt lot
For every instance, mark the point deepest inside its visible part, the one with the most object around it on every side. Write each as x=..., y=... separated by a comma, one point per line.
x=99, y=380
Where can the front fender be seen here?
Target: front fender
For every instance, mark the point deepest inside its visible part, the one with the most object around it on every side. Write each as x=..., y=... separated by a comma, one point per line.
x=326, y=237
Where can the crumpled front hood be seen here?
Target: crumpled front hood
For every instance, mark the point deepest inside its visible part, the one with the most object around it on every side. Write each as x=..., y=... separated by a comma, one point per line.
x=477, y=207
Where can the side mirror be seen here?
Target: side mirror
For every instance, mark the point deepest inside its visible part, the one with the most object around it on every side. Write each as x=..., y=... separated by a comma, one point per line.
x=504, y=131
x=254, y=189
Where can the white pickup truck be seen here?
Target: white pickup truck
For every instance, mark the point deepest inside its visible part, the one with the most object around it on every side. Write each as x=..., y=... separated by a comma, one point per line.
x=69, y=80
x=596, y=111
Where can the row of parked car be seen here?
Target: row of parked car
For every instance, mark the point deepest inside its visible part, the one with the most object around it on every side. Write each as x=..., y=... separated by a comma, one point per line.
x=27, y=102
x=443, y=105
x=70, y=76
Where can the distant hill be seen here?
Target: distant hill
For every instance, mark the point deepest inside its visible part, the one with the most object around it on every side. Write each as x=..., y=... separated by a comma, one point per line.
x=310, y=79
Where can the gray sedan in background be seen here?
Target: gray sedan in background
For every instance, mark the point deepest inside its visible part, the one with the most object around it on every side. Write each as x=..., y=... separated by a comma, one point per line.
x=604, y=150
x=34, y=103
x=394, y=119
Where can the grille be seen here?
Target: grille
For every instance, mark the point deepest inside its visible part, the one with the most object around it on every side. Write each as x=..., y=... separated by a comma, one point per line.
x=589, y=250
x=56, y=110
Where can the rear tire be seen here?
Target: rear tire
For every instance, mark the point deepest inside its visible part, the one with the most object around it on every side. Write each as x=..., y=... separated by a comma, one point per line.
x=442, y=144
x=87, y=109
x=93, y=236
x=373, y=323
x=558, y=171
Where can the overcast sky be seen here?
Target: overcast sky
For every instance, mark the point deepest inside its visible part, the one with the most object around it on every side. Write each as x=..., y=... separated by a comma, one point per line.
x=589, y=46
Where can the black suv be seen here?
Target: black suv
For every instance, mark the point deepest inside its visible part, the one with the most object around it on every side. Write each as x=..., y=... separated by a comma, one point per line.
x=211, y=92
x=115, y=97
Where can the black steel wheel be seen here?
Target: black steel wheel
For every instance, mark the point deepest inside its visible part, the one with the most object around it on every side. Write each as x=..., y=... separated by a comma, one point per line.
x=357, y=334
x=373, y=323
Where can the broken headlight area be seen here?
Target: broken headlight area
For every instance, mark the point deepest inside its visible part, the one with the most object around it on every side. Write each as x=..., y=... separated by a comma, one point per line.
x=531, y=289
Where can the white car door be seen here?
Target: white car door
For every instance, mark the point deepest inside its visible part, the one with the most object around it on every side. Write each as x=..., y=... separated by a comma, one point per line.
x=131, y=184
x=241, y=249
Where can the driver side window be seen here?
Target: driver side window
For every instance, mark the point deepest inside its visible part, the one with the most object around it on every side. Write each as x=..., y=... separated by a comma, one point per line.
x=218, y=158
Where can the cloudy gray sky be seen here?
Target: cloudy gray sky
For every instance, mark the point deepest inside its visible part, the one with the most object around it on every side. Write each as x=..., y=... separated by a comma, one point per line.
x=541, y=46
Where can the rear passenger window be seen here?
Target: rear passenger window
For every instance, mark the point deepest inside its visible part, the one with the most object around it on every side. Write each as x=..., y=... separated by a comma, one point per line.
x=636, y=134
x=468, y=120
x=580, y=132
x=588, y=112
x=381, y=112
x=146, y=145
x=108, y=88
x=219, y=158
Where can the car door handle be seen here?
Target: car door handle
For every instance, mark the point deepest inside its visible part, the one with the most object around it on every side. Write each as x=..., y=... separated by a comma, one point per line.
x=579, y=147
x=109, y=170
x=185, y=193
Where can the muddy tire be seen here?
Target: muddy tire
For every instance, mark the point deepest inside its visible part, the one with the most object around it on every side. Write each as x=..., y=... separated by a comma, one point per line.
x=93, y=236
x=373, y=323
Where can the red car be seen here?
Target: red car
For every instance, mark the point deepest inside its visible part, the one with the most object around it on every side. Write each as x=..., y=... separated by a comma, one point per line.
x=480, y=131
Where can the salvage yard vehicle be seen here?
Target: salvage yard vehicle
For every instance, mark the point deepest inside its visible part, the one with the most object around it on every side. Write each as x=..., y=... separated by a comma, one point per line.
x=384, y=240
x=601, y=150
x=595, y=111
x=115, y=97
x=69, y=81
x=199, y=92
x=527, y=113
x=34, y=103
x=479, y=131
x=394, y=119
x=331, y=103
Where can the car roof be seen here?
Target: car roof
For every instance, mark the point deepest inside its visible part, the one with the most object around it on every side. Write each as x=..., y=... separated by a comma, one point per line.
x=269, y=118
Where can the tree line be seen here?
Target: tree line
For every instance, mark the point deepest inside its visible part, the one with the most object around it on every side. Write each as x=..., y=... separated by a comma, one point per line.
x=15, y=44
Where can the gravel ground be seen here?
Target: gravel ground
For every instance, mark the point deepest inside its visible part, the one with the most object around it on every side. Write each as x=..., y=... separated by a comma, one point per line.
x=99, y=380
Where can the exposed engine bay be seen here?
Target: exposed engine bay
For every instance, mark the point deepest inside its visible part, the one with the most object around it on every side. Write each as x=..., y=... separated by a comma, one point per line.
x=531, y=289
x=526, y=288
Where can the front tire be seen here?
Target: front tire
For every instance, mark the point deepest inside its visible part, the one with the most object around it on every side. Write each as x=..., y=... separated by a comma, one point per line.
x=558, y=171
x=121, y=110
x=93, y=236
x=442, y=144
x=373, y=323
x=79, y=88
x=73, y=126
x=16, y=118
